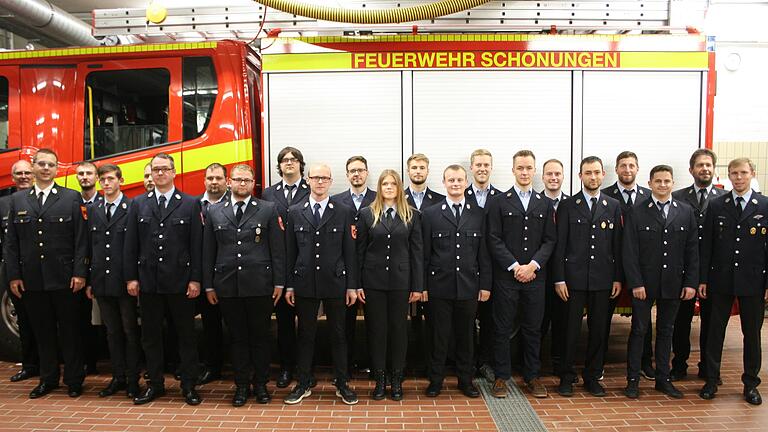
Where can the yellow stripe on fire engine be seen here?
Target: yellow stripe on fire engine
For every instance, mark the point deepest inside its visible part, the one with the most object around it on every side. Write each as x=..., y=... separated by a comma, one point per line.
x=664, y=60
x=301, y=62
x=14, y=55
x=195, y=159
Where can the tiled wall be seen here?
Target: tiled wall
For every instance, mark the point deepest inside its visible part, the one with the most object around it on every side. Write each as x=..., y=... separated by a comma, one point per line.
x=757, y=151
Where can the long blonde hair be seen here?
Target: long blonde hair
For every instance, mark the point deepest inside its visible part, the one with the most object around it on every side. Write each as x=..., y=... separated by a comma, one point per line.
x=401, y=203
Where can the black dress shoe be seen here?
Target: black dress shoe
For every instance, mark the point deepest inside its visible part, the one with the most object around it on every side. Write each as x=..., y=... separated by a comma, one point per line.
x=284, y=379
x=565, y=388
x=74, y=391
x=708, y=391
x=191, y=397
x=677, y=375
x=132, y=390
x=207, y=376
x=261, y=394
x=594, y=388
x=666, y=387
x=241, y=396
x=42, y=390
x=469, y=390
x=632, y=390
x=313, y=382
x=150, y=394
x=433, y=389
x=113, y=387
x=752, y=396
x=24, y=374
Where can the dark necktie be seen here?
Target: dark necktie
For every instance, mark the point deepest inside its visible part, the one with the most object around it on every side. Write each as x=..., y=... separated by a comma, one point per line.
x=239, y=212
x=390, y=215
x=661, y=208
x=457, y=212
x=739, y=208
x=109, y=211
x=316, y=214
x=702, y=198
x=555, y=203
x=592, y=209
x=289, y=195
x=40, y=198
x=629, y=193
x=161, y=203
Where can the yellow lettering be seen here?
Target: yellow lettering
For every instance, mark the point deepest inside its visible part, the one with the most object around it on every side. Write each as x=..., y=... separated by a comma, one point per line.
x=486, y=59
x=585, y=60
x=370, y=60
x=358, y=60
x=557, y=59
x=397, y=60
x=384, y=60
x=542, y=59
x=570, y=60
x=612, y=59
x=468, y=59
x=410, y=60
x=528, y=59
x=441, y=60
x=426, y=59
x=454, y=59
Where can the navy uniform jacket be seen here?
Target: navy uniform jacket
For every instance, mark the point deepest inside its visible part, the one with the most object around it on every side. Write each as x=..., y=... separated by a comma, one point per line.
x=517, y=235
x=106, y=241
x=469, y=195
x=245, y=259
x=690, y=197
x=734, y=250
x=164, y=254
x=346, y=199
x=430, y=198
x=5, y=206
x=45, y=247
x=204, y=208
x=322, y=260
x=588, y=252
x=615, y=191
x=662, y=256
x=390, y=254
x=455, y=257
x=276, y=194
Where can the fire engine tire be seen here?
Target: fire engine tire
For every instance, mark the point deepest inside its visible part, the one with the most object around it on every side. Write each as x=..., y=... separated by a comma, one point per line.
x=10, y=344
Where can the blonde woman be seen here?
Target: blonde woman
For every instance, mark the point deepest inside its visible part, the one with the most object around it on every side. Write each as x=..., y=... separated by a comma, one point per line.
x=389, y=248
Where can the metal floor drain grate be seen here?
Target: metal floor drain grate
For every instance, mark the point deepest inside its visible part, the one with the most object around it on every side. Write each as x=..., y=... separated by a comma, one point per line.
x=513, y=413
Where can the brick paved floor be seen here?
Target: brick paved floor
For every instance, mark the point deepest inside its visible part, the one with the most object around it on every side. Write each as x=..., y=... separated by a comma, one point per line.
x=323, y=411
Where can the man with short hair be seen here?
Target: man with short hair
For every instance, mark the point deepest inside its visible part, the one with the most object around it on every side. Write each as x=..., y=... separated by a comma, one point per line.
x=521, y=238
x=291, y=189
x=734, y=259
x=587, y=272
x=702, y=169
x=46, y=256
x=661, y=265
x=87, y=178
x=23, y=178
x=630, y=194
x=162, y=263
x=420, y=196
x=322, y=263
x=106, y=229
x=149, y=184
x=458, y=276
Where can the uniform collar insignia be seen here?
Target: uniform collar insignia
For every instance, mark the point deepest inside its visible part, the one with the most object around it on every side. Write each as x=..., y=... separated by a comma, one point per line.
x=605, y=203
x=178, y=197
x=280, y=186
x=674, y=203
x=54, y=191
x=754, y=201
x=330, y=205
x=469, y=192
x=124, y=206
x=443, y=207
x=468, y=206
x=150, y=195
x=650, y=204
x=640, y=191
x=538, y=196
x=304, y=185
x=306, y=204
x=727, y=200
x=226, y=204
x=253, y=202
x=578, y=201
x=616, y=191
x=429, y=196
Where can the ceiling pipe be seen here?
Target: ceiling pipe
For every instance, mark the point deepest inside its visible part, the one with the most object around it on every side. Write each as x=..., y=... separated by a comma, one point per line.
x=44, y=17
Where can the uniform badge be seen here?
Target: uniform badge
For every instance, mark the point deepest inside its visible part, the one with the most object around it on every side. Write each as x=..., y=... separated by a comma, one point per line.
x=84, y=212
x=178, y=196
x=602, y=225
x=469, y=192
x=493, y=192
x=753, y=230
x=762, y=231
x=353, y=230
x=727, y=200
x=757, y=217
x=124, y=206
x=578, y=201
x=258, y=238
x=330, y=205
x=429, y=196
x=258, y=231
x=280, y=223
x=610, y=226
x=509, y=194
x=304, y=185
x=605, y=203
x=54, y=191
x=443, y=208
x=754, y=201
x=21, y=213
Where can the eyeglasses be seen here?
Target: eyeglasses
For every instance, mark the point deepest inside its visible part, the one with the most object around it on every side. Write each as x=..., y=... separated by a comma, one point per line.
x=320, y=179
x=23, y=173
x=238, y=180
x=161, y=170
x=43, y=164
x=357, y=170
x=289, y=160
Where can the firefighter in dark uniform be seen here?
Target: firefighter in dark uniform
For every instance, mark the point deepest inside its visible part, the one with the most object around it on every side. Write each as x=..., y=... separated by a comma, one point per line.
x=291, y=189
x=322, y=262
x=698, y=195
x=244, y=272
x=46, y=256
x=734, y=260
x=587, y=272
x=661, y=265
x=458, y=275
x=163, y=254
x=521, y=238
x=106, y=235
x=629, y=194
x=23, y=178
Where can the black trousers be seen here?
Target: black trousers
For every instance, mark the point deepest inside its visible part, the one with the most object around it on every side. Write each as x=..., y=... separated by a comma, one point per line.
x=421, y=325
x=666, y=312
x=121, y=320
x=647, y=357
x=452, y=319
x=386, y=316
x=212, y=333
x=555, y=319
x=507, y=303
x=486, y=333
x=335, y=312
x=182, y=314
x=55, y=318
x=30, y=360
x=286, y=334
x=597, y=303
x=88, y=333
x=751, y=312
x=350, y=329
x=681, y=339
x=248, y=320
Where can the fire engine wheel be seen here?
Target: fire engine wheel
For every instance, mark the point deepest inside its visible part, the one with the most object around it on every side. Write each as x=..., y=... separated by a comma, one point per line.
x=10, y=344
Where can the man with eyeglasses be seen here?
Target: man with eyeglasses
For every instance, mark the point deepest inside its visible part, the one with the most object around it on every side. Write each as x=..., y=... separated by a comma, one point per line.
x=21, y=174
x=322, y=267
x=358, y=196
x=162, y=254
x=291, y=189
x=46, y=256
